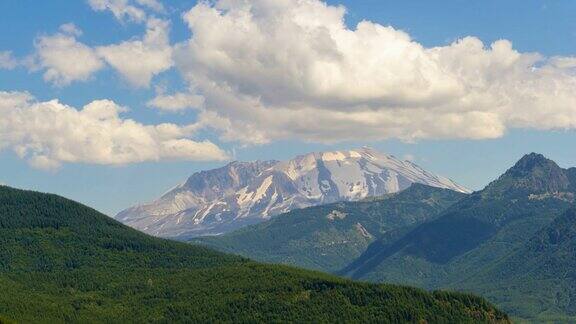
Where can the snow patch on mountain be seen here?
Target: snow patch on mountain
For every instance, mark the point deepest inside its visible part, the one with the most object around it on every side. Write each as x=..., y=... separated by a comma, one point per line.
x=244, y=193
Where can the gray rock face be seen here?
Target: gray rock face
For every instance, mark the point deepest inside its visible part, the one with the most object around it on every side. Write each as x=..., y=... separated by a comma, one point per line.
x=243, y=193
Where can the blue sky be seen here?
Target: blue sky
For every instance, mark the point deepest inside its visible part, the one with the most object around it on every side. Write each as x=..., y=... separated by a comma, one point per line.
x=471, y=157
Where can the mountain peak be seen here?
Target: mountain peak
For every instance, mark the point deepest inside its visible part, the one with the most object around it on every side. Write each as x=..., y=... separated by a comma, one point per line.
x=533, y=161
x=536, y=165
x=533, y=173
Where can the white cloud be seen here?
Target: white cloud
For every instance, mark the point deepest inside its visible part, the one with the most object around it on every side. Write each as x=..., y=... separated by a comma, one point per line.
x=64, y=59
x=121, y=9
x=7, y=61
x=50, y=133
x=139, y=60
x=564, y=62
x=152, y=4
x=274, y=69
x=71, y=29
x=127, y=10
x=176, y=102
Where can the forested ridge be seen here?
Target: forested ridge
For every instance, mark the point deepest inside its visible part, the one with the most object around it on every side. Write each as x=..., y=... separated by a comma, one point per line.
x=512, y=242
x=64, y=262
x=329, y=237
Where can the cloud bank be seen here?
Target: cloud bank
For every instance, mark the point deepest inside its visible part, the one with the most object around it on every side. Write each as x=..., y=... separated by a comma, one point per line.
x=50, y=133
x=265, y=70
x=277, y=69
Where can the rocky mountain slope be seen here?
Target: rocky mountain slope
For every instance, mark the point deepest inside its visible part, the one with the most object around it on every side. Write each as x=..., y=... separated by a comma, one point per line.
x=243, y=193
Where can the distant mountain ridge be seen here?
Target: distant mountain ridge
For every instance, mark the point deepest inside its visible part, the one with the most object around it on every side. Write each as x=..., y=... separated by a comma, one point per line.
x=243, y=193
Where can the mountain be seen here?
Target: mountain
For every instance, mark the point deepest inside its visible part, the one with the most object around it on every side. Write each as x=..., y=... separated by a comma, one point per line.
x=64, y=262
x=465, y=246
x=244, y=193
x=329, y=237
x=541, y=273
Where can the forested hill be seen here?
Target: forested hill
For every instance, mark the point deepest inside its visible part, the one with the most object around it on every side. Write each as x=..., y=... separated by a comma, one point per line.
x=64, y=262
x=329, y=237
x=512, y=242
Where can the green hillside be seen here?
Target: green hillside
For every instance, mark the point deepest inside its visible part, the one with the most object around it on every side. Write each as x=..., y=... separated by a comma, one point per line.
x=329, y=237
x=464, y=248
x=63, y=262
x=541, y=273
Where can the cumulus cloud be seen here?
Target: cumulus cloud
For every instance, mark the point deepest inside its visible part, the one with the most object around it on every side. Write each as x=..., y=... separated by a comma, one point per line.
x=177, y=102
x=274, y=69
x=71, y=29
x=63, y=58
x=127, y=10
x=139, y=60
x=121, y=9
x=564, y=62
x=152, y=4
x=50, y=133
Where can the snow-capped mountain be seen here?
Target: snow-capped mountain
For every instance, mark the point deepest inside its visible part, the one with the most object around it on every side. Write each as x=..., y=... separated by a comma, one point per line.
x=243, y=193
